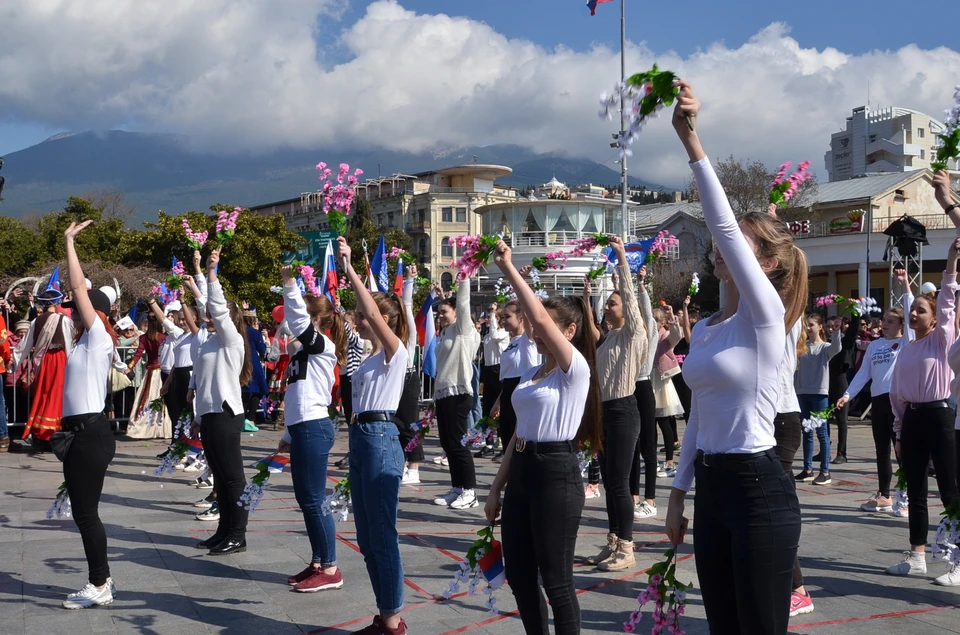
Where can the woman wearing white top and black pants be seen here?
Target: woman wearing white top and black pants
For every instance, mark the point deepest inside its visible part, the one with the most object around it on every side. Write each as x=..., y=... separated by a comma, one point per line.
x=85, y=442
x=222, y=365
x=376, y=458
x=747, y=515
x=557, y=407
x=408, y=410
x=521, y=355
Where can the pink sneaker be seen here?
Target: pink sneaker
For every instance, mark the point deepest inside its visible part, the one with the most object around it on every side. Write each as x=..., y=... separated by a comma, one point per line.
x=800, y=604
x=320, y=581
x=591, y=490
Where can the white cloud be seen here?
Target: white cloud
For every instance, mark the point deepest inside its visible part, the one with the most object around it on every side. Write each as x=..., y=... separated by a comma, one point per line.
x=250, y=76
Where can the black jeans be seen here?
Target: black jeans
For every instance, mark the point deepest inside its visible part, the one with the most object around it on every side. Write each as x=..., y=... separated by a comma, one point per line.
x=668, y=427
x=220, y=433
x=176, y=399
x=881, y=420
x=490, y=376
x=541, y=516
x=788, y=431
x=621, y=429
x=251, y=403
x=745, y=534
x=408, y=412
x=838, y=386
x=684, y=393
x=346, y=397
x=508, y=416
x=84, y=469
x=646, y=448
x=928, y=434
x=452, y=415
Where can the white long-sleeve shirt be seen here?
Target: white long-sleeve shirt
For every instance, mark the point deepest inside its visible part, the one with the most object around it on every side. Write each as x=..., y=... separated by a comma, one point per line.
x=733, y=365
x=788, y=394
x=456, y=348
x=407, y=297
x=653, y=334
x=877, y=367
x=495, y=342
x=219, y=360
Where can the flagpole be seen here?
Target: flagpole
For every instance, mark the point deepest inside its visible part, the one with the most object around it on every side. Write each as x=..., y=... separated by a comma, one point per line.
x=623, y=106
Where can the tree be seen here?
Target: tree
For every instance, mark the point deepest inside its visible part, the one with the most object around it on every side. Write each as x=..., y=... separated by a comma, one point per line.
x=113, y=203
x=21, y=248
x=103, y=241
x=747, y=185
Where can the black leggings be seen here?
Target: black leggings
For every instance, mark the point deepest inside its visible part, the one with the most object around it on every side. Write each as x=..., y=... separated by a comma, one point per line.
x=746, y=527
x=647, y=442
x=251, y=403
x=668, y=427
x=176, y=399
x=621, y=429
x=490, y=376
x=928, y=434
x=684, y=393
x=541, y=516
x=408, y=413
x=881, y=420
x=788, y=432
x=452, y=415
x=84, y=469
x=346, y=397
x=220, y=433
x=508, y=416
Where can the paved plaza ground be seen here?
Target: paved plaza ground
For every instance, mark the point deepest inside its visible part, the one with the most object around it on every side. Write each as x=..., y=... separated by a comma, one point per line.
x=168, y=587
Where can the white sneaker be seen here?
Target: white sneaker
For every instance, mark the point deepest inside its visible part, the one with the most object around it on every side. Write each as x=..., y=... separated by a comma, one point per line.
x=666, y=471
x=448, y=498
x=466, y=500
x=951, y=577
x=196, y=466
x=89, y=596
x=913, y=563
x=181, y=465
x=410, y=477
x=113, y=587
x=644, y=510
x=211, y=514
x=203, y=503
x=204, y=483
x=439, y=459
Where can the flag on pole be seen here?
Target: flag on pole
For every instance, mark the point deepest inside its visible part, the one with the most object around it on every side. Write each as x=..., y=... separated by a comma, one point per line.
x=371, y=284
x=592, y=5
x=398, y=280
x=378, y=265
x=427, y=335
x=329, y=279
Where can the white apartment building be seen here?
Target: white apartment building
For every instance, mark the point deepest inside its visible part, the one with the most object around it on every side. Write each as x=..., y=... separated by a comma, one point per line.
x=886, y=140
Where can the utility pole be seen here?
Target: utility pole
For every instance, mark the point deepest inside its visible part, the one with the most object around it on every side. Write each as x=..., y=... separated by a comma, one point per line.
x=623, y=108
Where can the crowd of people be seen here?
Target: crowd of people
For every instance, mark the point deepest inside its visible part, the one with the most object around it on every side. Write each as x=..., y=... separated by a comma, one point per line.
x=559, y=379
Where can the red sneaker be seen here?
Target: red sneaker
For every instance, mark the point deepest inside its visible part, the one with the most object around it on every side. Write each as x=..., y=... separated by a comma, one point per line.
x=294, y=580
x=800, y=604
x=320, y=581
x=379, y=628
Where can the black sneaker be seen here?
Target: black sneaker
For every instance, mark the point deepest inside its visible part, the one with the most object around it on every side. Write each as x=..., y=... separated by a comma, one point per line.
x=485, y=452
x=805, y=476
x=840, y=460
x=822, y=479
x=343, y=463
x=816, y=457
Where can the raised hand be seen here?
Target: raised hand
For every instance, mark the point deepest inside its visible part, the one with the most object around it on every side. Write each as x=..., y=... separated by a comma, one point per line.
x=525, y=271
x=941, y=187
x=197, y=259
x=213, y=259
x=75, y=229
x=287, y=272
x=503, y=255
x=688, y=106
x=344, y=248
x=642, y=274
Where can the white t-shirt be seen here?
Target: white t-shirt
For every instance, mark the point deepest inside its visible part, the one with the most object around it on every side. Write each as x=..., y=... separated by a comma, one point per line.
x=85, y=378
x=878, y=364
x=521, y=355
x=788, y=393
x=310, y=375
x=551, y=409
x=378, y=385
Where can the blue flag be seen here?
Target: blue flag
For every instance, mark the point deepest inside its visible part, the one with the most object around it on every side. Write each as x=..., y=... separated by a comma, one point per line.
x=636, y=254
x=378, y=266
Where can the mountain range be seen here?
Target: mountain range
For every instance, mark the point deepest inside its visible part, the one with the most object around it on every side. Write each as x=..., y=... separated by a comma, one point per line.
x=158, y=171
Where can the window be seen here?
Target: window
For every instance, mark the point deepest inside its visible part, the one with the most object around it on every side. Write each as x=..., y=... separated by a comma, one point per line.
x=920, y=132
x=390, y=219
x=446, y=249
x=446, y=280
x=423, y=247
x=461, y=214
x=447, y=214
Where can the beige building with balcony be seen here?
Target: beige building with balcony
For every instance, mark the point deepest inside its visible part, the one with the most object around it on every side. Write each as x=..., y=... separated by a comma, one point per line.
x=886, y=140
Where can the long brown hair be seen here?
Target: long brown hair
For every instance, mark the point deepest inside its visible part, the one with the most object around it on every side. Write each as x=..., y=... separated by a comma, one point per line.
x=789, y=278
x=391, y=308
x=246, y=371
x=327, y=321
x=570, y=310
x=153, y=328
x=106, y=324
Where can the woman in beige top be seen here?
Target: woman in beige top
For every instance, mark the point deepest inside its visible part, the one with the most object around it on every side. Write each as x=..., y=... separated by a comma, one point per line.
x=618, y=366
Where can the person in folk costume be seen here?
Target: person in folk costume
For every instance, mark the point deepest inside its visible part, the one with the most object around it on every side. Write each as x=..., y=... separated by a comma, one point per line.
x=145, y=424
x=5, y=357
x=255, y=390
x=87, y=444
x=46, y=346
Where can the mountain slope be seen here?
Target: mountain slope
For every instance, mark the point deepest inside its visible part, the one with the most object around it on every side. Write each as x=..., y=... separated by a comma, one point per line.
x=163, y=172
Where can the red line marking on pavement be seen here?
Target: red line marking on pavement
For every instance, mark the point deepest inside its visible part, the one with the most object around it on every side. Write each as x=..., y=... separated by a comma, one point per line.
x=433, y=546
x=878, y=616
x=410, y=584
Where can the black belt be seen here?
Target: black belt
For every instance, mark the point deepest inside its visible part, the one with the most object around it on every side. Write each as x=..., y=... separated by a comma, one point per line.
x=374, y=416
x=731, y=461
x=930, y=405
x=76, y=423
x=543, y=447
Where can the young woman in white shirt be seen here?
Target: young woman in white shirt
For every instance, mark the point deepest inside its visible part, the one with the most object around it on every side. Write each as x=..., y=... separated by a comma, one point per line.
x=558, y=407
x=84, y=428
x=309, y=434
x=877, y=368
x=376, y=458
x=223, y=364
x=520, y=356
x=408, y=410
x=495, y=342
x=747, y=515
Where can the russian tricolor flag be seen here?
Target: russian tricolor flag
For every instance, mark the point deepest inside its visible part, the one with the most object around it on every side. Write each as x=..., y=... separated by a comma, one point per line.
x=328, y=282
x=491, y=564
x=592, y=5
x=194, y=447
x=275, y=463
x=427, y=335
x=398, y=279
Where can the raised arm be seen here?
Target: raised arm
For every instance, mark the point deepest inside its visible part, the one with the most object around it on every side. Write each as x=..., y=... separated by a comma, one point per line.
x=217, y=304
x=685, y=320
x=294, y=308
x=77, y=282
x=907, y=300
x=464, y=319
x=836, y=345
x=757, y=293
x=408, y=284
x=365, y=302
x=590, y=322
x=947, y=298
x=861, y=378
x=944, y=194
x=544, y=326
x=633, y=320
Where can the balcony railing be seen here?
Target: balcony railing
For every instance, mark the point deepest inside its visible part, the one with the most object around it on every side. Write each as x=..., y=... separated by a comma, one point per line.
x=819, y=228
x=418, y=226
x=544, y=239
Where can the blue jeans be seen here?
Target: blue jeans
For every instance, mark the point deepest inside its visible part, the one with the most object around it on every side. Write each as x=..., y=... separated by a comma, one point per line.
x=376, y=466
x=310, y=444
x=808, y=404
